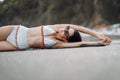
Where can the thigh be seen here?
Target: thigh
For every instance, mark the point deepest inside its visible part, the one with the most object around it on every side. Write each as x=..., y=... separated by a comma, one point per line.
x=6, y=46
x=5, y=31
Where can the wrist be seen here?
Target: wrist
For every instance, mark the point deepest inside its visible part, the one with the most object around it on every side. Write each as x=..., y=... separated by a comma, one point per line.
x=98, y=36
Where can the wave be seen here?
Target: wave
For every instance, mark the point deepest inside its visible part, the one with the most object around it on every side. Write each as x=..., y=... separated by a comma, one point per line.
x=105, y=32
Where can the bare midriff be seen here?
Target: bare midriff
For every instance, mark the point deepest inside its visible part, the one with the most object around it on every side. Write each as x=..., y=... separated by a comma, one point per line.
x=34, y=37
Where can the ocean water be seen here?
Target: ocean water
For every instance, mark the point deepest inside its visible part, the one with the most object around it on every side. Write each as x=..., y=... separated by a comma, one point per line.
x=109, y=32
x=106, y=32
x=112, y=34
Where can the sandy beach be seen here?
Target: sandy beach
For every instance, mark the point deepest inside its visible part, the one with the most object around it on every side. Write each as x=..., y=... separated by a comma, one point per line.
x=87, y=63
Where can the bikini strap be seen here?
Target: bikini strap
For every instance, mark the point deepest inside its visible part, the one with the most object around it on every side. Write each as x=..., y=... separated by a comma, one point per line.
x=42, y=33
x=16, y=37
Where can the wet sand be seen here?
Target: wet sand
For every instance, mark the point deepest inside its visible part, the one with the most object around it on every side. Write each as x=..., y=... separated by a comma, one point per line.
x=87, y=63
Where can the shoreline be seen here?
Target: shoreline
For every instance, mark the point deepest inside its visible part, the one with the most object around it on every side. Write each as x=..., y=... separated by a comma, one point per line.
x=86, y=63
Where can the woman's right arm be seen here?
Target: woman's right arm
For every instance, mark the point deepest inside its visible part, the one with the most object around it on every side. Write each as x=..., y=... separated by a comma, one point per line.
x=85, y=30
x=88, y=31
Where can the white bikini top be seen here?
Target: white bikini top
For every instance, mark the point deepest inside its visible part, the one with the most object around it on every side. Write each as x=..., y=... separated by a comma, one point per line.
x=47, y=41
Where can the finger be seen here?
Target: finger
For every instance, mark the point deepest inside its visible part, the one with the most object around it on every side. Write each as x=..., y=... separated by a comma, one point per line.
x=107, y=43
x=108, y=40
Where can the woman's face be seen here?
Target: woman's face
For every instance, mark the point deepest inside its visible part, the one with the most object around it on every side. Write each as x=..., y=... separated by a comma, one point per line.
x=66, y=32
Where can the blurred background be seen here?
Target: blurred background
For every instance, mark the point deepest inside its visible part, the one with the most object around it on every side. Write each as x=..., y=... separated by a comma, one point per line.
x=97, y=14
x=103, y=63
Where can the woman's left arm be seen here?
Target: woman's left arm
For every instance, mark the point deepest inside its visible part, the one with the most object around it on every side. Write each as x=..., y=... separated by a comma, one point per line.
x=78, y=44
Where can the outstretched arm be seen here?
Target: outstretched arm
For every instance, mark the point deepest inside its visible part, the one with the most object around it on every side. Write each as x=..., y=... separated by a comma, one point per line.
x=85, y=30
x=79, y=28
x=103, y=38
x=79, y=44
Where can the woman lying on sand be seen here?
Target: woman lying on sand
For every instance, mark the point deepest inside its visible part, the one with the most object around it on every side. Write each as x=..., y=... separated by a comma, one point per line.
x=18, y=37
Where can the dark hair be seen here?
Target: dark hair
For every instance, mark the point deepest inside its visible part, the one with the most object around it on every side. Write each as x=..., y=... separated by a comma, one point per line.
x=75, y=38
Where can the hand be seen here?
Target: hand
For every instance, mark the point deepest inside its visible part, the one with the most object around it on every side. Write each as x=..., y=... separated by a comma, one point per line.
x=104, y=39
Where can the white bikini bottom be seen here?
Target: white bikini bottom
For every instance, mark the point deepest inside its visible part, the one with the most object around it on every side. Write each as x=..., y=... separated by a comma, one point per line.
x=18, y=37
